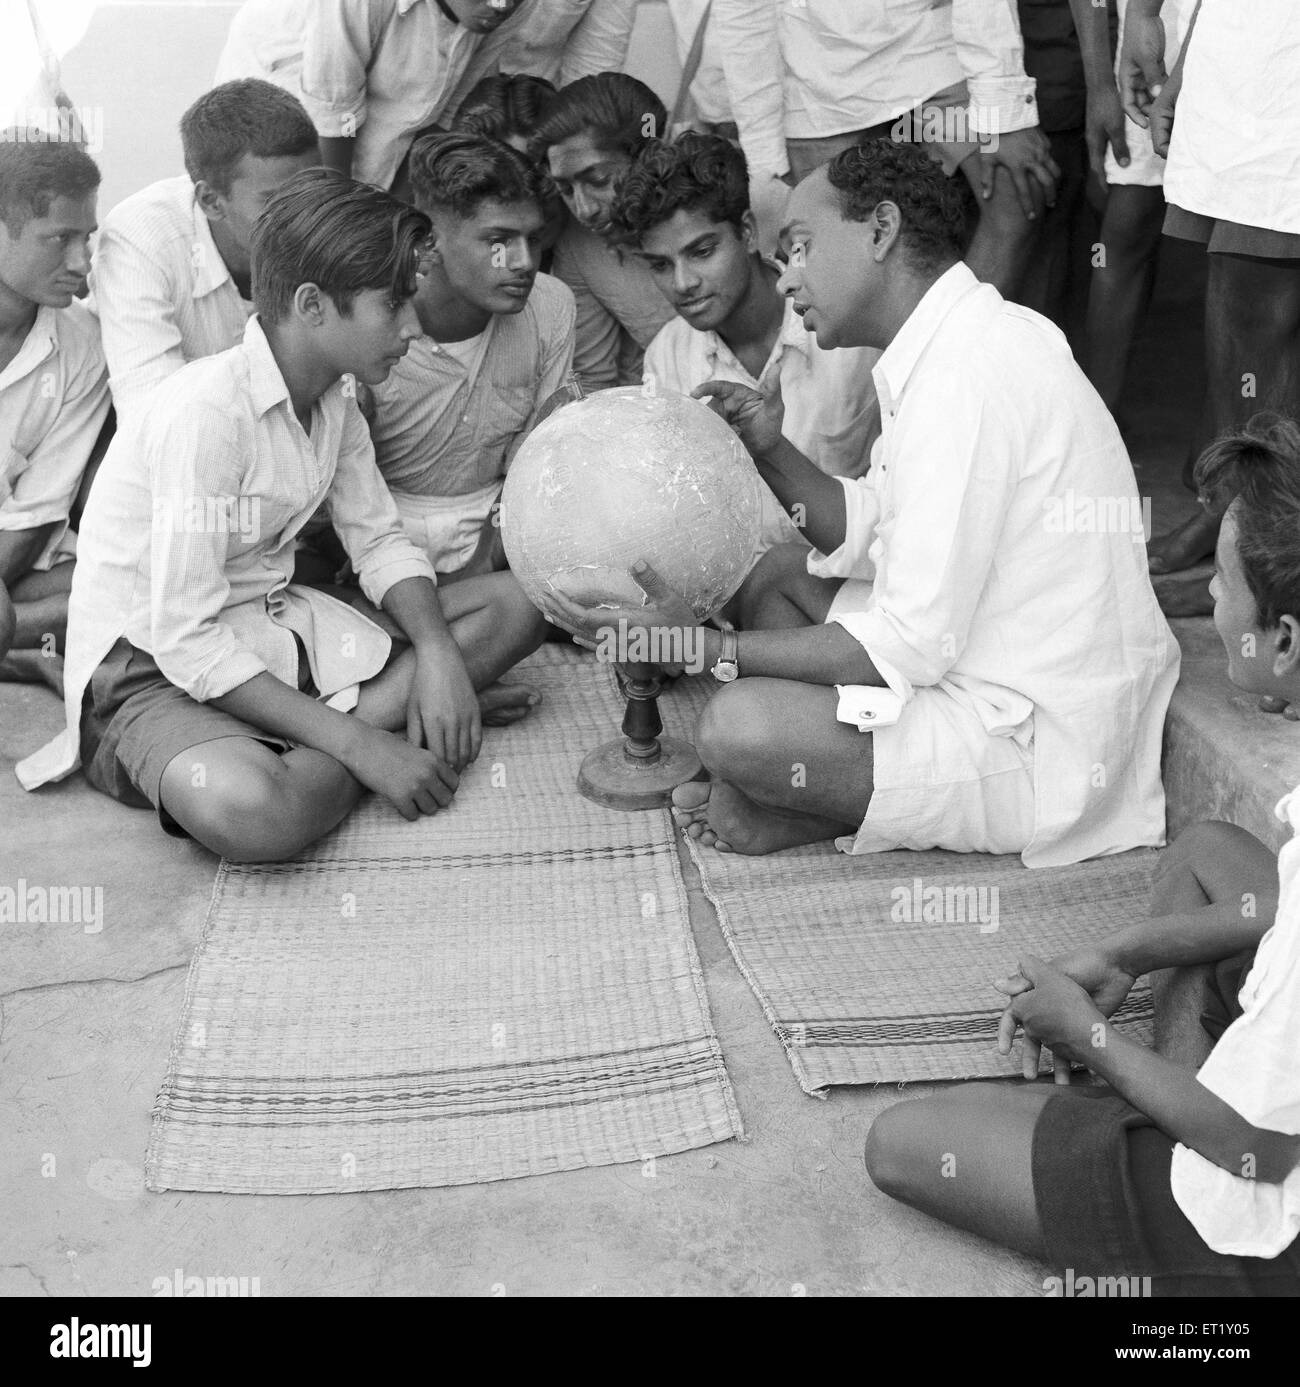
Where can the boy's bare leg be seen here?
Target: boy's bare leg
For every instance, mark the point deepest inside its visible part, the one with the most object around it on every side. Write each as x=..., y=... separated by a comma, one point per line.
x=1209, y=866
x=244, y=801
x=33, y=628
x=495, y=626
x=780, y=594
x=782, y=770
x=965, y=1157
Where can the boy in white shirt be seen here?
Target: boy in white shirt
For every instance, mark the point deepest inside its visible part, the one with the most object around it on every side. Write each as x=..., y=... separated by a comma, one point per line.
x=1186, y=1169
x=53, y=388
x=685, y=207
x=496, y=343
x=173, y=275
x=202, y=681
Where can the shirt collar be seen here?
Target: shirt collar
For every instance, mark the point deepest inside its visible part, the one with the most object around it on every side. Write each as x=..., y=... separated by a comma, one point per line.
x=211, y=272
x=41, y=342
x=899, y=359
x=265, y=380
x=793, y=334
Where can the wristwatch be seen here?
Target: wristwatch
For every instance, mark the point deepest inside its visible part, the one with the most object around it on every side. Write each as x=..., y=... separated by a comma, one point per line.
x=726, y=669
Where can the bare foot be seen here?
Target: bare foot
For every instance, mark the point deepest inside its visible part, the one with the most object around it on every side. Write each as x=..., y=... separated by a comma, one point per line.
x=719, y=816
x=33, y=667
x=1191, y=543
x=1186, y=593
x=1270, y=704
x=502, y=704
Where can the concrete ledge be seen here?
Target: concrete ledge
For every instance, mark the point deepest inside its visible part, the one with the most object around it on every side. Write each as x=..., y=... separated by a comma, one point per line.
x=1223, y=758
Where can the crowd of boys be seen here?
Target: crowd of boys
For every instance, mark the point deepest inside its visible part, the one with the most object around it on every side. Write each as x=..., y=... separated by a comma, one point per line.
x=253, y=450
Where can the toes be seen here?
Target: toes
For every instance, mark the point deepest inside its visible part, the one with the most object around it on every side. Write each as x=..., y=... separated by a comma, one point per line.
x=518, y=698
x=692, y=796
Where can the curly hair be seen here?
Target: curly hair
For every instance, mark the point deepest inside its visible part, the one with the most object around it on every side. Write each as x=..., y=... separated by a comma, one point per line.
x=935, y=209
x=503, y=105
x=701, y=172
x=458, y=171
x=620, y=112
x=1259, y=469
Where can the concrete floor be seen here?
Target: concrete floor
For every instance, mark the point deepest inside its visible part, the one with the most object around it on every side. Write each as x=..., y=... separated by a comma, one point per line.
x=86, y=1021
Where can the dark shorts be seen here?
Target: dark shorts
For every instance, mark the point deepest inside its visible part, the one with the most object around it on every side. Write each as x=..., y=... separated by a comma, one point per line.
x=1101, y=1183
x=1231, y=238
x=134, y=722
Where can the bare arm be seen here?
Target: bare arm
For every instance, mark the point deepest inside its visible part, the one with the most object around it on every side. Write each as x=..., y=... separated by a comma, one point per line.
x=19, y=549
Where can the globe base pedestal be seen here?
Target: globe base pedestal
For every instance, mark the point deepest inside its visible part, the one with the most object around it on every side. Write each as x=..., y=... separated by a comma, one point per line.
x=642, y=770
x=611, y=777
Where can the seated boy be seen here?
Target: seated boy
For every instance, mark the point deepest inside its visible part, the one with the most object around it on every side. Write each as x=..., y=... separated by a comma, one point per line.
x=199, y=679
x=587, y=137
x=53, y=389
x=994, y=674
x=1184, y=1169
x=685, y=206
x=508, y=109
x=172, y=271
x=496, y=341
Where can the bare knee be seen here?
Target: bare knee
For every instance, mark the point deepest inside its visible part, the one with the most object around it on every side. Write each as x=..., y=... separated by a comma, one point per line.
x=891, y=1154
x=246, y=815
x=1192, y=857
x=730, y=729
x=768, y=580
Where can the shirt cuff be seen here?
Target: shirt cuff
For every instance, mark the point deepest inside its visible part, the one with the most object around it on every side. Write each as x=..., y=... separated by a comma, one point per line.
x=1001, y=105
x=850, y=560
x=864, y=628
x=335, y=120
x=376, y=580
x=228, y=672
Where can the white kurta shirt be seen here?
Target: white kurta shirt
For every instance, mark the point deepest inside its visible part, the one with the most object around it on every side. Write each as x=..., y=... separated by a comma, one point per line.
x=1254, y=1070
x=187, y=543
x=825, y=67
x=378, y=70
x=53, y=403
x=1001, y=529
x=831, y=414
x=1235, y=149
x=162, y=291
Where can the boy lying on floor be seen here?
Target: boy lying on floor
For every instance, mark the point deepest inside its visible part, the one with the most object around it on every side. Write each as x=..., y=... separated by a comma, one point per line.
x=1184, y=1169
x=199, y=679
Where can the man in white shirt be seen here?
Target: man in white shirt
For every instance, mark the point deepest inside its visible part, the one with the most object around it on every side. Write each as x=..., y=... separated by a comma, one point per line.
x=1002, y=666
x=685, y=206
x=1184, y=1171
x=1228, y=119
x=173, y=277
x=810, y=79
x=497, y=343
x=200, y=679
x=371, y=73
x=557, y=42
x=53, y=388
x=587, y=137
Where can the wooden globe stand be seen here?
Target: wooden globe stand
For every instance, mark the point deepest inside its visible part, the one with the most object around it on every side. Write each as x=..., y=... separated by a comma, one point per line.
x=643, y=769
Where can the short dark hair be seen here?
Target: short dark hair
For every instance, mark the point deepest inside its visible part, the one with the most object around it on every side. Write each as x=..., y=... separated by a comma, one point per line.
x=935, y=214
x=249, y=116
x=701, y=172
x=505, y=104
x=326, y=229
x=1258, y=467
x=621, y=113
x=35, y=169
x=456, y=172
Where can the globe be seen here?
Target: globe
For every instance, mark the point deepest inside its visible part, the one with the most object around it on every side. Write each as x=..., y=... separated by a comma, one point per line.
x=627, y=475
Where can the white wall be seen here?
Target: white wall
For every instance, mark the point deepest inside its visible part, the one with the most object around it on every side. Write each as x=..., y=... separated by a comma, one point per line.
x=140, y=63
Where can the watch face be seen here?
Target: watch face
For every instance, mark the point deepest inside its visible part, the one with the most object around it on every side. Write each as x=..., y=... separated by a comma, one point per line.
x=725, y=671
